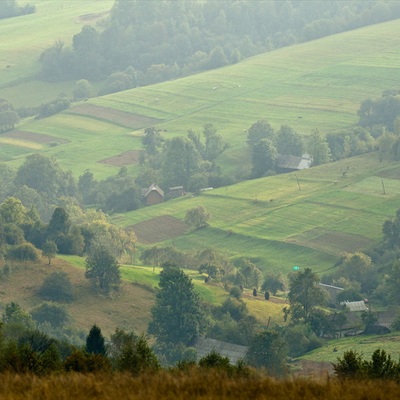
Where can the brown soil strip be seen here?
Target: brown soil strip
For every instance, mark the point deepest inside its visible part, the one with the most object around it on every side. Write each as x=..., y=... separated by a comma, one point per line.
x=35, y=137
x=159, y=229
x=127, y=158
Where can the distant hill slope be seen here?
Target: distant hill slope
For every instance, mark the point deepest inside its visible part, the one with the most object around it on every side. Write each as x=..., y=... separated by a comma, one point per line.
x=315, y=84
x=25, y=38
x=308, y=218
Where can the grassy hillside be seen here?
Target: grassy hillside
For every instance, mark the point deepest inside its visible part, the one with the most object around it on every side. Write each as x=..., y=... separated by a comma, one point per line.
x=274, y=223
x=315, y=84
x=130, y=309
x=364, y=345
x=27, y=36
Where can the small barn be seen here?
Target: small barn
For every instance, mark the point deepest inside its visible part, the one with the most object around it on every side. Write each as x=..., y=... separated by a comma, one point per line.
x=286, y=163
x=176, y=191
x=233, y=352
x=153, y=195
x=354, y=306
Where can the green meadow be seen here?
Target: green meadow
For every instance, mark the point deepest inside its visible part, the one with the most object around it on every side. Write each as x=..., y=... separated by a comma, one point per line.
x=300, y=219
x=364, y=345
x=308, y=218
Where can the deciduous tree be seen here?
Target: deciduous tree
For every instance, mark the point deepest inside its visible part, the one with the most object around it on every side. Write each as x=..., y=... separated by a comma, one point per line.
x=177, y=316
x=304, y=293
x=268, y=350
x=103, y=270
x=197, y=217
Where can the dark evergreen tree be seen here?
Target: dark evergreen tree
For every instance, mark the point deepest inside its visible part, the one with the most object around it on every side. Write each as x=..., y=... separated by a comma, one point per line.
x=95, y=343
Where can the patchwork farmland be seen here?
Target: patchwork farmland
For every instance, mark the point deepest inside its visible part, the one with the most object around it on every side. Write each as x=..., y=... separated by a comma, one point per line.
x=318, y=84
x=276, y=224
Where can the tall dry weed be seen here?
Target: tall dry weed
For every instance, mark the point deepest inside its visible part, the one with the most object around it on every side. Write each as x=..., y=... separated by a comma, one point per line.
x=194, y=384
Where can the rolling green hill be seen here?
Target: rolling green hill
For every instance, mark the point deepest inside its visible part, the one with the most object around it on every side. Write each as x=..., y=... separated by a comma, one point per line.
x=315, y=84
x=321, y=81
x=278, y=225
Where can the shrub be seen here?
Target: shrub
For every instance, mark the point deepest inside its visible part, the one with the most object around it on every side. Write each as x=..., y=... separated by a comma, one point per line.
x=23, y=252
x=80, y=361
x=57, y=287
x=54, y=314
x=235, y=292
x=137, y=357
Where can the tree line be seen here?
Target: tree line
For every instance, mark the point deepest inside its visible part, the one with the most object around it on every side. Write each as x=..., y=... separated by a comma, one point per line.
x=165, y=40
x=10, y=8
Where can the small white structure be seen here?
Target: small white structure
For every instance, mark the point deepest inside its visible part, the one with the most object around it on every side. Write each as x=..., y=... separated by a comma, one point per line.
x=355, y=305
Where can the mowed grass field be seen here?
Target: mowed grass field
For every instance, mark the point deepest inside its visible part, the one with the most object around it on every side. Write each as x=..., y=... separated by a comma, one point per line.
x=318, y=84
x=364, y=345
x=279, y=225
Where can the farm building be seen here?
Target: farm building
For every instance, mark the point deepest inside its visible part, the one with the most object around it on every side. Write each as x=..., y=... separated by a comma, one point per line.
x=355, y=305
x=153, y=195
x=285, y=163
x=234, y=352
x=176, y=191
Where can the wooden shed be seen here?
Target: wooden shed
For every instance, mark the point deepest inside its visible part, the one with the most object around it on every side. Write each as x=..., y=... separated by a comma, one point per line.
x=153, y=195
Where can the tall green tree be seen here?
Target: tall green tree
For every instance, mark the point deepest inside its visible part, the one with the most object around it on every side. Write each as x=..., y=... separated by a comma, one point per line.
x=177, y=316
x=261, y=129
x=263, y=156
x=8, y=116
x=304, y=293
x=95, y=343
x=45, y=175
x=197, y=217
x=268, y=350
x=49, y=250
x=289, y=142
x=59, y=223
x=103, y=270
x=181, y=162
x=318, y=148
x=273, y=283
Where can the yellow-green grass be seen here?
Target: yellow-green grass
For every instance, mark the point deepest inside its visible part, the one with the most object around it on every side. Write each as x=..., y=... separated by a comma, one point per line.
x=364, y=345
x=90, y=141
x=274, y=223
x=315, y=84
x=149, y=277
x=26, y=37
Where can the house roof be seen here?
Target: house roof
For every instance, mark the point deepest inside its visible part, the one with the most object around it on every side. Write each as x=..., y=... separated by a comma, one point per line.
x=332, y=291
x=293, y=162
x=152, y=187
x=355, y=305
x=234, y=352
x=176, y=188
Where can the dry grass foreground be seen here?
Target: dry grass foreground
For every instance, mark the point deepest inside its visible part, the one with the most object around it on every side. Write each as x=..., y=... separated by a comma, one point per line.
x=195, y=385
